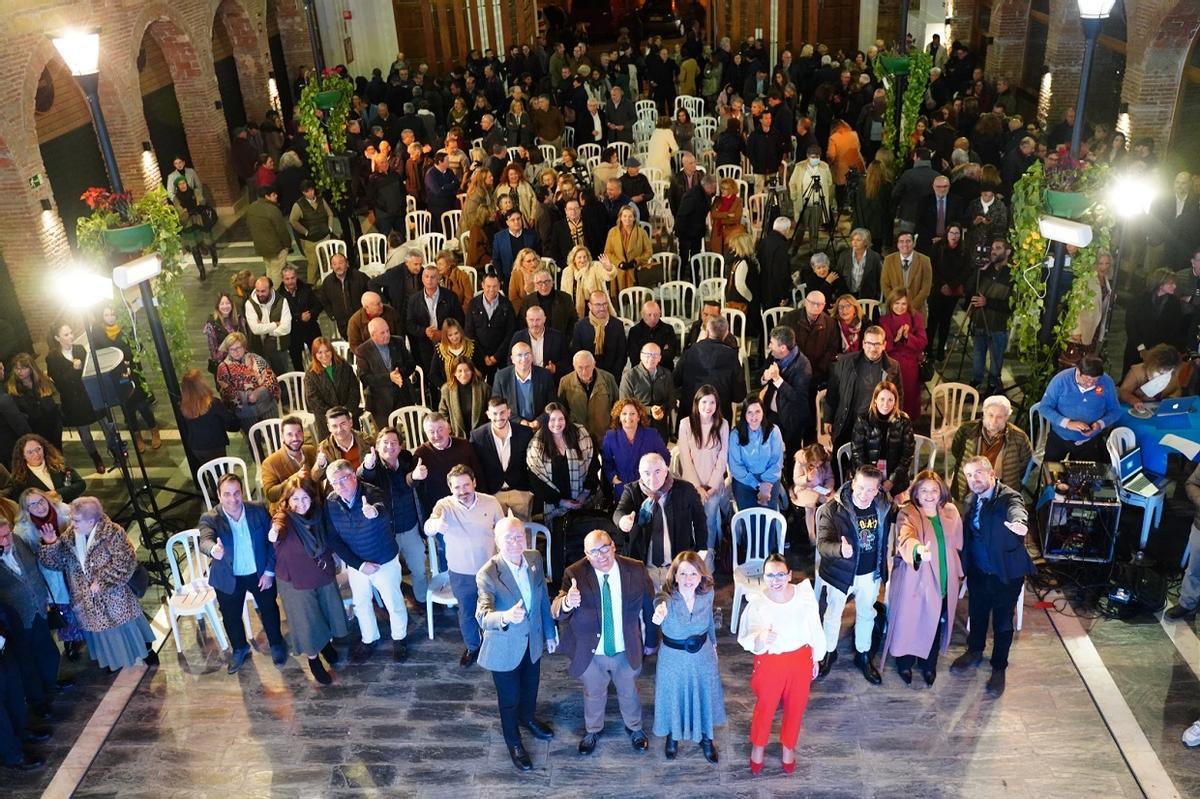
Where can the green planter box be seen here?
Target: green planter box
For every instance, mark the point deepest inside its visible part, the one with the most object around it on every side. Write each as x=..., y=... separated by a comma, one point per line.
x=896, y=65
x=1068, y=204
x=327, y=100
x=130, y=239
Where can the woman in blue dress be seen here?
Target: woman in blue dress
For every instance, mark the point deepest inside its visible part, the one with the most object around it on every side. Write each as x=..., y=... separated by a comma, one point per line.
x=688, y=698
x=629, y=438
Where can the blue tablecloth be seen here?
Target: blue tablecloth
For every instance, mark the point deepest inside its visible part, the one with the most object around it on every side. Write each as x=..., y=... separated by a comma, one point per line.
x=1149, y=433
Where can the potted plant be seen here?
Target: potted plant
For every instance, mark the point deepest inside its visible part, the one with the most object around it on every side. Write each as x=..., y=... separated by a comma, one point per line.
x=322, y=110
x=895, y=64
x=1065, y=186
x=117, y=219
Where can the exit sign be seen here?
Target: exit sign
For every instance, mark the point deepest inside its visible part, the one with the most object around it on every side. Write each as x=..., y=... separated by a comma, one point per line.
x=35, y=181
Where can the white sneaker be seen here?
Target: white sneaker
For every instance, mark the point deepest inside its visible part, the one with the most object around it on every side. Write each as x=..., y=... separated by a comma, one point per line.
x=1191, y=736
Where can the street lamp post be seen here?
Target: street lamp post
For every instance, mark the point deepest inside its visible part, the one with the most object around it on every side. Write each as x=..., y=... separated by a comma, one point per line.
x=1092, y=14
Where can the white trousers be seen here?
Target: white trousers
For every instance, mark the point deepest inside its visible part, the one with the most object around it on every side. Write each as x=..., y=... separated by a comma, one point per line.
x=865, y=590
x=387, y=582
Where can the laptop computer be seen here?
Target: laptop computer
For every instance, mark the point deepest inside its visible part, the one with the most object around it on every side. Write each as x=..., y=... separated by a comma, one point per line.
x=1176, y=407
x=1133, y=478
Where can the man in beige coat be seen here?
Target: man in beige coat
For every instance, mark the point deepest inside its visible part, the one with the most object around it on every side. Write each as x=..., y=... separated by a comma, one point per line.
x=908, y=269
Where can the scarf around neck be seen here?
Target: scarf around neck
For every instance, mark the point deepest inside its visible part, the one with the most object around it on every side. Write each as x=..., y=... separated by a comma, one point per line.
x=598, y=325
x=309, y=532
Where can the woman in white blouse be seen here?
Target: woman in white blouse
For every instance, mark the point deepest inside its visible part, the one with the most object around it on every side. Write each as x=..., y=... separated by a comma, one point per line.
x=782, y=628
x=704, y=460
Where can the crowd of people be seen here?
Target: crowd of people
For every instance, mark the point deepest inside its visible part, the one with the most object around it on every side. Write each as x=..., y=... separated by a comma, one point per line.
x=631, y=437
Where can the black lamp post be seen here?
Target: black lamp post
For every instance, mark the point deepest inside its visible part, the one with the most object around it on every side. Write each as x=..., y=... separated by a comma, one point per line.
x=1092, y=14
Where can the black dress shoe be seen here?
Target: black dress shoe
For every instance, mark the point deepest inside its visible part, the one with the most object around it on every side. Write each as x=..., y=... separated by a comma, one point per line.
x=966, y=661
x=929, y=676
x=826, y=664
x=995, y=684
x=399, y=651
x=1176, y=612
x=709, y=750
x=318, y=671
x=331, y=655
x=639, y=740
x=863, y=661
x=279, y=654
x=38, y=735
x=541, y=731
x=587, y=744
x=151, y=659
x=906, y=675
x=66, y=684
x=362, y=652
x=671, y=748
x=469, y=656
x=238, y=659
x=27, y=763
x=520, y=758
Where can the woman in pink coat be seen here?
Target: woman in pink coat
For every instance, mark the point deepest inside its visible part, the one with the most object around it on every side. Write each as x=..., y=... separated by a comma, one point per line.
x=906, y=343
x=925, y=578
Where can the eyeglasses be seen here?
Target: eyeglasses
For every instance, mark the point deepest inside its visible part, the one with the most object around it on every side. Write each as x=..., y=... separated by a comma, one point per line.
x=600, y=550
x=337, y=481
x=776, y=575
x=545, y=282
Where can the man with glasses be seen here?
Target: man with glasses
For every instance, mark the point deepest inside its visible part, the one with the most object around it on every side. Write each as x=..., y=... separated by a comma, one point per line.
x=816, y=336
x=602, y=600
x=651, y=328
x=852, y=381
x=653, y=385
x=601, y=334
x=557, y=306
x=1079, y=405
x=359, y=529
x=525, y=387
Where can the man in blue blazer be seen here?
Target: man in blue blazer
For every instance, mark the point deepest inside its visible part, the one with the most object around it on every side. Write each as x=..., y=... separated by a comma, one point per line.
x=527, y=388
x=500, y=446
x=995, y=522
x=510, y=241
x=513, y=610
x=234, y=535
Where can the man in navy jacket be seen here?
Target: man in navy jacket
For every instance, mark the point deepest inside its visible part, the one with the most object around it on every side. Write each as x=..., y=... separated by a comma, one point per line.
x=234, y=535
x=995, y=522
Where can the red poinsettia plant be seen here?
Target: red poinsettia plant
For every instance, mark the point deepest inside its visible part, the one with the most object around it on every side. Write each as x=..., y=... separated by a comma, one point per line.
x=1064, y=173
x=118, y=203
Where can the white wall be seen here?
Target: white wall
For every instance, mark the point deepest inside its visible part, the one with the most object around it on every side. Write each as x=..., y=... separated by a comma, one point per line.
x=371, y=30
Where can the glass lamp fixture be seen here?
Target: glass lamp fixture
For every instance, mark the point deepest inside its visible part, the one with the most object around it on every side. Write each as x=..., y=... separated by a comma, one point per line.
x=1096, y=9
x=80, y=49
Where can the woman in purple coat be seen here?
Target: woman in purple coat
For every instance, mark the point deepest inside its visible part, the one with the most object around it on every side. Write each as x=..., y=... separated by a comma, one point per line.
x=905, y=342
x=629, y=438
x=924, y=587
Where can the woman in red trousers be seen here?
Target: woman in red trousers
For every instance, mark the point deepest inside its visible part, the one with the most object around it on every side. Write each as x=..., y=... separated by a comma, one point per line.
x=782, y=628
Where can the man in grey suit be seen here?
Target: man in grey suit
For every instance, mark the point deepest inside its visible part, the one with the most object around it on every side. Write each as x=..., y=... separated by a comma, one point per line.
x=619, y=115
x=602, y=598
x=513, y=610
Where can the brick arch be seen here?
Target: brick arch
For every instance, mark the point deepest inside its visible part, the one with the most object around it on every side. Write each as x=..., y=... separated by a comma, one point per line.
x=250, y=53
x=1010, y=26
x=1152, y=82
x=190, y=62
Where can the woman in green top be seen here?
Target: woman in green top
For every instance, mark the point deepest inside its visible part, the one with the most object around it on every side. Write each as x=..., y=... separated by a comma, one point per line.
x=925, y=578
x=329, y=382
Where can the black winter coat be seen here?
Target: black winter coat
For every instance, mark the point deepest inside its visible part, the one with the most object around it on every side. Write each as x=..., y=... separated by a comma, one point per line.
x=871, y=444
x=835, y=521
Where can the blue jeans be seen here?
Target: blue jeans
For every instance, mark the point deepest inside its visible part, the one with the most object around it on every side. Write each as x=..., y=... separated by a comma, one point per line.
x=747, y=496
x=996, y=342
x=466, y=593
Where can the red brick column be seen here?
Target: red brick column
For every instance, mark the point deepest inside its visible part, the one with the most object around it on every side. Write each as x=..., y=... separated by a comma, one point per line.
x=962, y=24
x=1006, y=54
x=1153, y=73
x=293, y=34
x=250, y=52
x=1064, y=56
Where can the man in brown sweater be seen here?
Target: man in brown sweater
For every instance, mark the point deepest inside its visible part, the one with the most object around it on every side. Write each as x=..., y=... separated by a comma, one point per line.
x=373, y=307
x=294, y=456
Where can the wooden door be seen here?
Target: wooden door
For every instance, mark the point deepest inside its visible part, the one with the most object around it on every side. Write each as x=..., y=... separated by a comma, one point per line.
x=837, y=25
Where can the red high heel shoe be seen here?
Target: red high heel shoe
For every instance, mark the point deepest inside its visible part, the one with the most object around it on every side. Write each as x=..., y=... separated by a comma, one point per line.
x=755, y=768
x=788, y=768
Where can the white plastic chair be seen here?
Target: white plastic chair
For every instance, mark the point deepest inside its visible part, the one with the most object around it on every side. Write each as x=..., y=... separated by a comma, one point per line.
x=644, y=225
x=622, y=148
x=870, y=309
x=325, y=251
x=707, y=265
x=669, y=262
x=845, y=462
x=759, y=526
x=1039, y=429
x=418, y=223
x=549, y=154
x=568, y=136
x=372, y=269
x=678, y=299
x=265, y=437
x=731, y=171
x=712, y=290
x=212, y=471
x=420, y=373
x=771, y=319
x=948, y=411
x=200, y=601
x=372, y=248
x=646, y=109
x=535, y=531
x=439, y=586
x=681, y=327
x=410, y=419
x=472, y=273
x=757, y=206
x=589, y=150
x=630, y=301
x=924, y=445
x=431, y=244
x=655, y=176
x=737, y=328
x=626, y=323
x=1120, y=441
x=514, y=153
x=743, y=190
x=450, y=223
x=823, y=438
x=292, y=402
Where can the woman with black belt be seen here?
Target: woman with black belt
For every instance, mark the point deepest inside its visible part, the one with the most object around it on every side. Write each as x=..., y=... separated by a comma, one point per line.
x=688, y=698
x=64, y=364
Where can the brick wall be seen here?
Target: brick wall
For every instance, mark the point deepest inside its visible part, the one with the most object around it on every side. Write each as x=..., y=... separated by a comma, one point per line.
x=1064, y=56
x=1010, y=24
x=34, y=241
x=1151, y=87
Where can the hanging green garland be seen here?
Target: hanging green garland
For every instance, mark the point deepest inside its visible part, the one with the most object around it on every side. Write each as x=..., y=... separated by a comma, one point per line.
x=918, y=64
x=323, y=108
x=1030, y=254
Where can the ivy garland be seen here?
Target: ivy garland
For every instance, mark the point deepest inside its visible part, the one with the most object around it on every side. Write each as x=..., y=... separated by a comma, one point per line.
x=1030, y=252
x=324, y=138
x=919, y=64
x=152, y=208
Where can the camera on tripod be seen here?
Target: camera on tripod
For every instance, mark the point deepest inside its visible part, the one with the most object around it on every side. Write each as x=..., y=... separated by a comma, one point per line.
x=982, y=256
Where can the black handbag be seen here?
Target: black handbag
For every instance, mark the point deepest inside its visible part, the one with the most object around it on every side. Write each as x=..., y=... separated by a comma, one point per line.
x=139, y=581
x=209, y=215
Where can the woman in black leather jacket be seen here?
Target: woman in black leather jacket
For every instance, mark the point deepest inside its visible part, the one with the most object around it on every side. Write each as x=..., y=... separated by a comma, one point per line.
x=883, y=436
